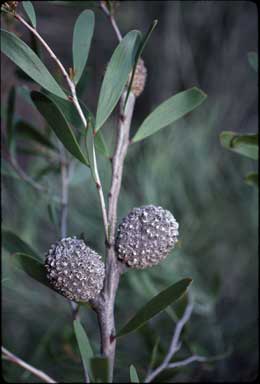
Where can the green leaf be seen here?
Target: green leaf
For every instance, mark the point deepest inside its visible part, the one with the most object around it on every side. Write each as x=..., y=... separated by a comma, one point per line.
x=138, y=55
x=75, y=121
x=13, y=244
x=246, y=145
x=100, y=369
x=169, y=111
x=84, y=345
x=57, y=121
x=156, y=305
x=24, y=57
x=252, y=179
x=27, y=131
x=10, y=116
x=82, y=36
x=253, y=60
x=116, y=76
x=101, y=146
x=29, y=9
x=154, y=353
x=133, y=375
x=32, y=267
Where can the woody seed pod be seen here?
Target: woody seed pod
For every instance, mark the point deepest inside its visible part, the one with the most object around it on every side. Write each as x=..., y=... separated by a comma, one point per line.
x=146, y=236
x=139, y=78
x=74, y=270
x=10, y=5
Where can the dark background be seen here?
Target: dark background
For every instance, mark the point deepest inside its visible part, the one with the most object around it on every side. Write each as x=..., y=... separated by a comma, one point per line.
x=182, y=168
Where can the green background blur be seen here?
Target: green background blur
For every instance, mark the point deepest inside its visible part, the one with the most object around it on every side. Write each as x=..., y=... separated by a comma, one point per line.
x=183, y=168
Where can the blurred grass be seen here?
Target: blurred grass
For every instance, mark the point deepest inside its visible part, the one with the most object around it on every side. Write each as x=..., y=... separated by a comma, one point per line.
x=184, y=169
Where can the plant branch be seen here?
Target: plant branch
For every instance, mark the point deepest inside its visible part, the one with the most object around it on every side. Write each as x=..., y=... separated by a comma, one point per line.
x=16, y=360
x=104, y=304
x=75, y=101
x=111, y=19
x=174, y=345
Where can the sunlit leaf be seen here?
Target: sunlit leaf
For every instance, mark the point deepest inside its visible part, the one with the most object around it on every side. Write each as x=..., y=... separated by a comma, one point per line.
x=156, y=305
x=246, y=145
x=169, y=111
x=116, y=76
x=24, y=57
x=29, y=9
x=82, y=36
x=57, y=121
x=84, y=345
x=133, y=375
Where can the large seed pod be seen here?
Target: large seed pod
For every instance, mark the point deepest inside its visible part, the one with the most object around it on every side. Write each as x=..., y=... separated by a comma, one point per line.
x=74, y=270
x=146, y=236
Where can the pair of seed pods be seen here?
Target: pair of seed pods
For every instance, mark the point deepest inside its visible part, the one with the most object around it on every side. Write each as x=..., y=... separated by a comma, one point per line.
x=144, y=238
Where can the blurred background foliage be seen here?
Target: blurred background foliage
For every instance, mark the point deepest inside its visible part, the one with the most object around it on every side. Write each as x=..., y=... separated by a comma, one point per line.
x=182, y=168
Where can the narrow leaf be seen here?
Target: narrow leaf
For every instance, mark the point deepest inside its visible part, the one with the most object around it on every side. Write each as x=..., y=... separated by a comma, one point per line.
x=57, y=121
x=116, y=76
x=27, y=131
x=252, y=179
x=84, y=345
x=29, y=9
x=253, y=60
x=169, y=111
x=32, y=267
x=246, y=145
x=133, y=375
x=24, y=57
x=13, y=244
x=101, y=146
x=10, y=116
x=156, y=305
x=82, y=36
x=100, y=369
x=89, y=141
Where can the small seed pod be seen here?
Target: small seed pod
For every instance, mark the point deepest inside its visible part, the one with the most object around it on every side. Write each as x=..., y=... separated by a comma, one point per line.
x=146, y=236
x=74, y=270
x=139, y=78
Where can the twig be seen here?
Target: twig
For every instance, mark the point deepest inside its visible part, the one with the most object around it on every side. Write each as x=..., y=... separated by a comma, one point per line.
x=112, y=20
x=104, y=305
x=23, y=174
x=64, y=193
x=174, y=345
x=75, y=101
x=187, y=361
x=16, y=360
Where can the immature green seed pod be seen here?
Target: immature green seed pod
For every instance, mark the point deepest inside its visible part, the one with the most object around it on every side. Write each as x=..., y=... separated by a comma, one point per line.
x=74, y=270
x=146, y=236
x=139, y=78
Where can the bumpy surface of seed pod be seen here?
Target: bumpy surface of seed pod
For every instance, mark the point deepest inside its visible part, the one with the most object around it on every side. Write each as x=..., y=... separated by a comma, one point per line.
x=146, y=236
x=139, y=78
x=74, y=269
x=10, y=5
